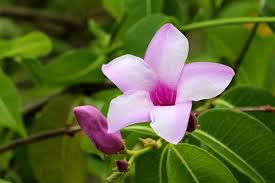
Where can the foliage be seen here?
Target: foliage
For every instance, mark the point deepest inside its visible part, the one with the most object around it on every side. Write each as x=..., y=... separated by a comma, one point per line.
x=51, y=54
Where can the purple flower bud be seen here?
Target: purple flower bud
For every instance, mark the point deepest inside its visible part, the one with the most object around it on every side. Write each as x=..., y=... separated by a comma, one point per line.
x=192, y=123
x=122, y=165
x=94, y=125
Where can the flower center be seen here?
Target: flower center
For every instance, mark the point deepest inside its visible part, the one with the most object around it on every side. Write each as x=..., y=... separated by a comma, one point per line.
x=162, y=95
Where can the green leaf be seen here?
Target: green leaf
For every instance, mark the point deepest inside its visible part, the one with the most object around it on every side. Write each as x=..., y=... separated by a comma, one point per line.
x=145, y=29
x=10, y=106
x=268, y=9
x=240, y=140
x=151, y=167
x=60, y=159
x=189, y=163
x=79, y=66
x=261, y=60
x=4, y=181
x=244, y=96
x=115, y=7
x=37, y=95
x=225, y=44
x=5, y=158
x=32, y=45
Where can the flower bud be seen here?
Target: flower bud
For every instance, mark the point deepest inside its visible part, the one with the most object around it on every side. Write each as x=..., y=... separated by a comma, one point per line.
x=192, y=123
x=94, y=125
x=122, y=165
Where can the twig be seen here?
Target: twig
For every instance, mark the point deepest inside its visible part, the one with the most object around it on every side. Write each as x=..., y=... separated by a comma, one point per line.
x=263, y=108
x=245, y=48
x=226, y=21
x=72, y=130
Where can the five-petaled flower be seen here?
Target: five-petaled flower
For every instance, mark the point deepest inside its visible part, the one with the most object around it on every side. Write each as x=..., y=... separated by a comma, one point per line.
x=161, y=88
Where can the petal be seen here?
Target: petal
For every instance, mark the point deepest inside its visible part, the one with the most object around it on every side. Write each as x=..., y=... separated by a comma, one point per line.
x=203, y=80
x=129, y=108
x=129, y=72
x=170, y=122
x=167, y=53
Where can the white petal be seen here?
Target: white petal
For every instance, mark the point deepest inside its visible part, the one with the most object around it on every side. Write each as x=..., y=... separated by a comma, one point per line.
x=170, y=122
x=127, y=109
x=129, y=72
x=203, y=80
x=167, y=53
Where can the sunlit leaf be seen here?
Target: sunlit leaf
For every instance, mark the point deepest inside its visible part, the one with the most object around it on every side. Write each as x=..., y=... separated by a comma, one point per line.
x=34, y=44
x=10, y=106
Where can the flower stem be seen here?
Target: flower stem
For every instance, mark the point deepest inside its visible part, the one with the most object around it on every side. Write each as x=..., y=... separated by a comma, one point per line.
x=227, y=21
x=135, y=153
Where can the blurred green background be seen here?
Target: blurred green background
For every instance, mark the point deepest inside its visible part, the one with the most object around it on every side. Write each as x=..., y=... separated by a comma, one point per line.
x=51, y=52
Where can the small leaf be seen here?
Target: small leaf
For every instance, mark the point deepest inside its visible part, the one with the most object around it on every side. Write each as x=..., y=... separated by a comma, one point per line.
x=32, y=45
x=189, y=163
x=10, y=106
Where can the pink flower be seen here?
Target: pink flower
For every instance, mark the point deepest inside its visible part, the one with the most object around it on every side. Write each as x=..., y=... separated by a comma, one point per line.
x=161, y=88
x=94, y=125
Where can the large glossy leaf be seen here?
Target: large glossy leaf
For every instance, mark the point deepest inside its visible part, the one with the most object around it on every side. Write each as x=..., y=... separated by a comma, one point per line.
x=60, y=159
x=145, y=29
x=243, y=96
x=189, y=163
x=240, y=140
x=34, y=44
x=151, y=167
x=77, y=66
x=10, y=106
